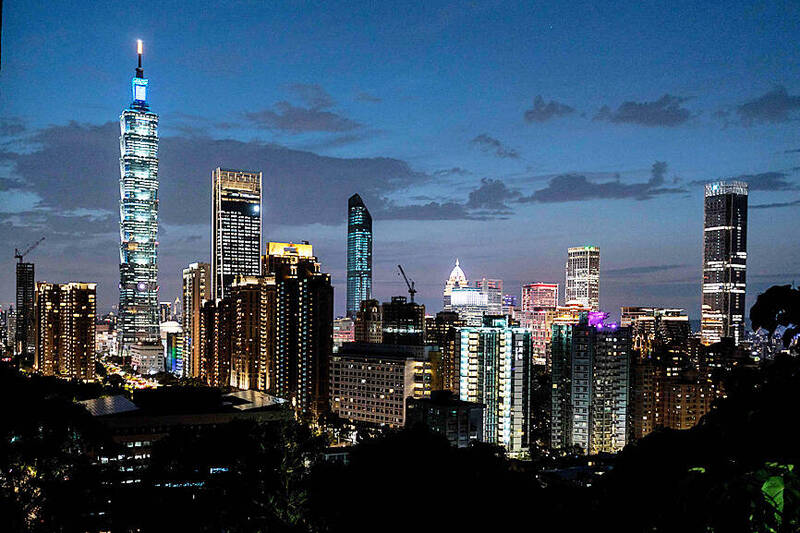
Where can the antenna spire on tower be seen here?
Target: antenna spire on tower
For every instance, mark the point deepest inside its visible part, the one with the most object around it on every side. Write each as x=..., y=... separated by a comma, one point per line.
x=139, y=50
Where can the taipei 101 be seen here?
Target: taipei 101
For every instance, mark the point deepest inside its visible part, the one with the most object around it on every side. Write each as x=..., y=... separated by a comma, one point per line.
x=326, y=267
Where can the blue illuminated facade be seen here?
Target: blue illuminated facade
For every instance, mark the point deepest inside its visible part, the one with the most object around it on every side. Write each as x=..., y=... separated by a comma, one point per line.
x=138, y=211
x=359, y=254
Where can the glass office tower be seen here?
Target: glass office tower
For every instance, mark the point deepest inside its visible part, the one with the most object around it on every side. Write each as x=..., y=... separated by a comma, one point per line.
x=583, y=276
x=359, y=254
x=724, y=261
x=236, y=238
x=138, y=211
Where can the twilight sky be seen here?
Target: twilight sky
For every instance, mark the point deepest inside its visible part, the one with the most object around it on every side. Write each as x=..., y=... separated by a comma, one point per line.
x=500, y=133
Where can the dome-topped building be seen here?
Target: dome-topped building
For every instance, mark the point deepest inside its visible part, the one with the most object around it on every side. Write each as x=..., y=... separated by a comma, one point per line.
x=457, y=279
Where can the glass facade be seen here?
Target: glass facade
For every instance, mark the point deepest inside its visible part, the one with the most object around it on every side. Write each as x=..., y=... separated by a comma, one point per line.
x=236, y=239
x=583, y=276
x=724, y=261
x=359, y=254
x=138, y=211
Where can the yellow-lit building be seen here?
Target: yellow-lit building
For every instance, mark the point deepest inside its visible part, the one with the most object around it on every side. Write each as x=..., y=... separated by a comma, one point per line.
x=65, y=329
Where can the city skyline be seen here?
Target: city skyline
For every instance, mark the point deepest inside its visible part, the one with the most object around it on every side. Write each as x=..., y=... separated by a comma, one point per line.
x=485, y=191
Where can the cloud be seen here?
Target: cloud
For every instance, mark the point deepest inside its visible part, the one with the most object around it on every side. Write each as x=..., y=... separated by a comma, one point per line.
x=639, y=270
x=299, y=186
x=577, y=187
x=293, y=119
x=367, y=97
x=764, y=181
x=312, y=95
x=454, y=171
x=795, y=151
x=430, y=211
x=542, y=112
x=491, y=196
x=11, y=126
x=490, y=144
x=666, y=111
x=776, y=205
x=772, y=107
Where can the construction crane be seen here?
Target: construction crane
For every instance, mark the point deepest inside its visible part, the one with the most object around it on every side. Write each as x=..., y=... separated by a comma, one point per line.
x=19, y=255
x=411, y=290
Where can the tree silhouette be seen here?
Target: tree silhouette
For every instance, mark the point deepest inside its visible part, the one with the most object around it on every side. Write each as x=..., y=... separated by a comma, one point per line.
x=778, y=306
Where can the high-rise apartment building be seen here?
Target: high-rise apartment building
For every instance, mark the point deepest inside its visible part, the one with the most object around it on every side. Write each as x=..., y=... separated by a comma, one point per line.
x=65, y=329
x=371, y=382
x=217, y=326
x=369, y=322
x=590, y=375
x=236, y=227
x=494, y=370
x=403, y=322
x=359, y=254
x=253, y=312
x=25, y=333
x=538, y=310
x=196, y=290
x=724, y=261
x=138, y=210
x=583, y=276
x=304, y=327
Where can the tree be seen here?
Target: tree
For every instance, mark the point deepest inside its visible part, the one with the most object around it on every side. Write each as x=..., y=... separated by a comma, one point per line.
x=778, y=306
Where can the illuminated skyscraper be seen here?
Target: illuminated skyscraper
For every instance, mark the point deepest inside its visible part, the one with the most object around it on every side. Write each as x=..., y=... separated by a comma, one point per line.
x=539, y=296
x=196, y=289
x=494, y=370
x=583, y=276
x=25, y=336
x=138, y=210
x=303, y=327
x=236, y=232
x=359, y=254
x=724, y=261
x=65, y=329
x=590, y=385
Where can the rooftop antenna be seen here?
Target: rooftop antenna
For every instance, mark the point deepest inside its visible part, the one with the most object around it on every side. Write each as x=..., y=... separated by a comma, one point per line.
x=139, y=50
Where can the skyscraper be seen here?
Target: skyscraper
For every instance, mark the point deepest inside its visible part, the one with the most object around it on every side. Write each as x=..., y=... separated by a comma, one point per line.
x=304, y=327
x=253, y=330
x=359, y=254
x=65, y=329
x=25, y=334
x=196, y=289
x=590, y=385
x=724, y=261
x=138, y=210
x=494, y=368
x=539, y=296
x=236, y=232
x=583, y=276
